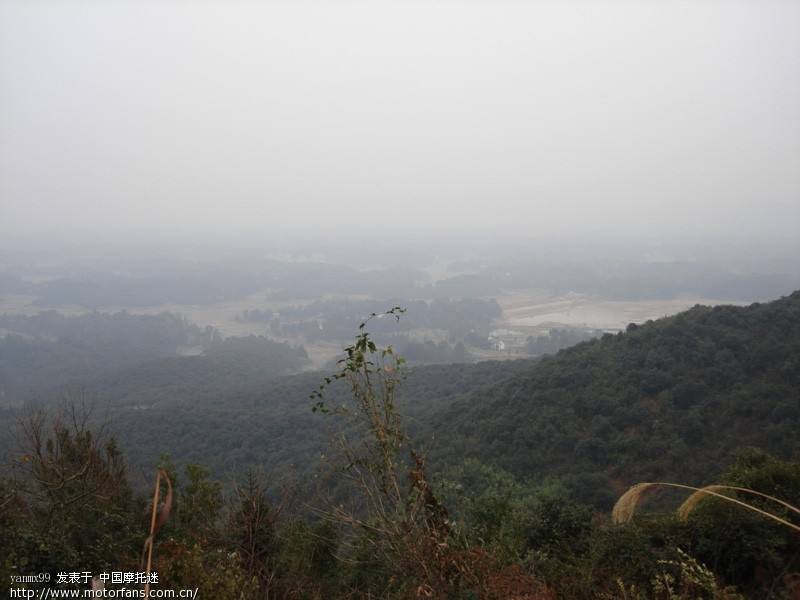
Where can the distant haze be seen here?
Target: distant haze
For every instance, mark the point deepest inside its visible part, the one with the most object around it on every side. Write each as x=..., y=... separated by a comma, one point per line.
x=231, y=118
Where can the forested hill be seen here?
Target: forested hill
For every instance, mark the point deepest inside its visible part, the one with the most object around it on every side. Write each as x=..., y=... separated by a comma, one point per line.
x=670, y=399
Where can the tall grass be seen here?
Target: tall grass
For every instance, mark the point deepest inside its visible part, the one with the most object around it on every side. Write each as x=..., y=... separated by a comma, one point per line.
x=157, y=520
x=625, y=508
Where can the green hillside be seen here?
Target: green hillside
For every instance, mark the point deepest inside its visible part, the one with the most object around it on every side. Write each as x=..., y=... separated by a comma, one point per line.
x=668, y=399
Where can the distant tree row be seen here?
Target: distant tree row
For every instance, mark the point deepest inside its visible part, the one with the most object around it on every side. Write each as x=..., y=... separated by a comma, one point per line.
x=558, y=339
x=40, y=353
x=335, y=319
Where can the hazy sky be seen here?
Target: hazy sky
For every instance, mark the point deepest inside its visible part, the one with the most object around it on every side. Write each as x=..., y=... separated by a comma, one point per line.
x=236, y=118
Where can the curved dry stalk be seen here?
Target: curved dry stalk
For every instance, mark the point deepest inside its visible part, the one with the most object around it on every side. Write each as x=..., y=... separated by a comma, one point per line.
x=692, y=501
x=166, y=508
x=157, y=519
x=625, y=508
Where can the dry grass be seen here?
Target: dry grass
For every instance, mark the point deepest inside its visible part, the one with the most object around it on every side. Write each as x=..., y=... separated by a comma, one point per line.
x=625, y=508
x=694, y=499
x=157, y=519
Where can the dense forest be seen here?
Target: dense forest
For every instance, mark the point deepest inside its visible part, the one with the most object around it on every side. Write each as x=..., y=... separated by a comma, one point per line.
x=671, y=398
x=514, y=469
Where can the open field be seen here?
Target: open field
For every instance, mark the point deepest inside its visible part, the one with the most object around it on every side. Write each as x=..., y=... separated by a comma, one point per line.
x=535, y=309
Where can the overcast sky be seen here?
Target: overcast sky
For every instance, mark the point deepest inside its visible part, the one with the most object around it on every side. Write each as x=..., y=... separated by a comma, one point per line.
x=234, y=118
